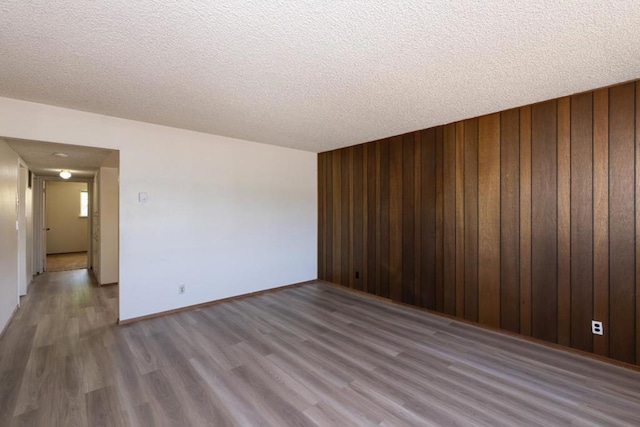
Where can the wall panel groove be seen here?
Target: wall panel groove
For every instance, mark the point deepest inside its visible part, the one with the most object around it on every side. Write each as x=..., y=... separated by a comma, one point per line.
x=526, y=220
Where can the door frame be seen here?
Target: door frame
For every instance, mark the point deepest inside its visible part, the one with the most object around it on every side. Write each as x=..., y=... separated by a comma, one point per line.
x=39, y=217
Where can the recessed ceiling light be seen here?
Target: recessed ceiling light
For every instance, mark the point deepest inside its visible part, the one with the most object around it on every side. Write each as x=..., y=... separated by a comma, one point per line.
x=65, y=174
x=60, y=155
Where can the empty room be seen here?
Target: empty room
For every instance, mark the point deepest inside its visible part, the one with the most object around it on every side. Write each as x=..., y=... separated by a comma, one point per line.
x=414, y=213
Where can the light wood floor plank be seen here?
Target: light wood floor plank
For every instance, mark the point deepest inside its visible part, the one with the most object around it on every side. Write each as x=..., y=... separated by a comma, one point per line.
x=315, y=355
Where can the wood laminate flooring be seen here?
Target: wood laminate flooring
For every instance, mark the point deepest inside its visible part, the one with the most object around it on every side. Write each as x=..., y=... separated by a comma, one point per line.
x=63, y=262
x=310, y=355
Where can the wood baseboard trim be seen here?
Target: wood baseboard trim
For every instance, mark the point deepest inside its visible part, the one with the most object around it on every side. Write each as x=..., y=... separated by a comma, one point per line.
x=214, y=302
x=15, y=310
x=533, y=340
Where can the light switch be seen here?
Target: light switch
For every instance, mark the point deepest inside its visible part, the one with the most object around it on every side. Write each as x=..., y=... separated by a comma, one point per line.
x=142, y=197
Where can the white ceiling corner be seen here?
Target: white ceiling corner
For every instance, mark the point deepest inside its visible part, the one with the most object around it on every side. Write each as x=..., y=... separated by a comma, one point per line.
x=307, y=74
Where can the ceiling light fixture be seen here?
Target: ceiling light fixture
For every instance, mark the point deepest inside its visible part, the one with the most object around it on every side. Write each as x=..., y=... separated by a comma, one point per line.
x=65, y=174
x=60, y=155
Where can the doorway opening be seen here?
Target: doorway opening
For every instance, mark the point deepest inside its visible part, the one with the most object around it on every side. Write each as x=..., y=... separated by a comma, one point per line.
x=67, y=225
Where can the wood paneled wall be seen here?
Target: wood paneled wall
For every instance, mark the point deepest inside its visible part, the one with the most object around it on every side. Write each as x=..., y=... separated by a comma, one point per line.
x=526, y=220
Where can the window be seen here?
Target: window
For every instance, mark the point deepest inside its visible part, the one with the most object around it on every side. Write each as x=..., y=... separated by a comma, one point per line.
x=84, y=204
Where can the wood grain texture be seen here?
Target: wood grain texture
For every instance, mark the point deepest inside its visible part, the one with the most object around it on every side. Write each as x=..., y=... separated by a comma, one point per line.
x=439, y=221
x=322, y=211
x=510, y=220
x=395, y=218
x=459, y=262
x=622, y=222
x=449, y=221
x=544, y=222
x=338, y=250
x=564, y=219
x=408, y=220
x=345, y=216
x=581, y=221
x=525, y=221
x=471, y=219
x=489, y=220
x=637, y=236
x=357, y=219
x=428, y=223
x=601, y=217
x=312, y=355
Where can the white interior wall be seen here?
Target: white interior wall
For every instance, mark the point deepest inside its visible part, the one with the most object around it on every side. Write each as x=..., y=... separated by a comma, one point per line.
x=224, y=217
x=8, y=233
x=67, y=230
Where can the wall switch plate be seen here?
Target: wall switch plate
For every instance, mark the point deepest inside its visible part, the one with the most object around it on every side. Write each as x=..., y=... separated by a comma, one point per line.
x=142, y=197
x=596, y=327
x=181, y=289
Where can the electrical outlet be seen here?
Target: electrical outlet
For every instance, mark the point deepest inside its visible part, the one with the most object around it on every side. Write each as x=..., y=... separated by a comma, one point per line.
x=181, y=289
x=596, y=327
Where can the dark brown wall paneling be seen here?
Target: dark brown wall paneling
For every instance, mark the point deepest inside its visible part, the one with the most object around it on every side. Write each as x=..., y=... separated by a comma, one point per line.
x=510, y=220
x=489, y=220
x=544, y=221
x=449, y=218
x=527, y=220
x=601, y=217
x=564, y=217
x=622, y=222
x=471, y=219
x=581, y=221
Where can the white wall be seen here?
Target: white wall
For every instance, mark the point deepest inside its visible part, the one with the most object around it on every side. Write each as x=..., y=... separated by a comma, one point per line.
x=108, y=219
x=8, y=233
x=224, y=216
x=68, y=231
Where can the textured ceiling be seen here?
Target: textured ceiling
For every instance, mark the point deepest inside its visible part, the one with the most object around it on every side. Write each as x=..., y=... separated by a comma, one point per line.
x=82, y=162
x=314, y=75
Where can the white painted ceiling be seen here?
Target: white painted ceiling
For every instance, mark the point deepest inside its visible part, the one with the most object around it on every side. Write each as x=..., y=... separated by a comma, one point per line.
x=314, y=75
x=82, y=161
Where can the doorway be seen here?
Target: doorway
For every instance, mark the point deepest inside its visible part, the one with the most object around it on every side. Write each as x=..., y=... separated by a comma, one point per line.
x=67, y=225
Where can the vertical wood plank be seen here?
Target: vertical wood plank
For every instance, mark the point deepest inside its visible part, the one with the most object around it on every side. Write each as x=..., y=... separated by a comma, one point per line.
x=601, y=217
x=581, y=221
x=328, y=217
x=345, y=216
x=365, y=218
x=509, y=220
x=471, y=219
x=525, y=220
x=351, y=173
x=460, y=219
x=439, y=219
x=544, y=221
x=489, y=220
x=385, y=268
x=407, y=219
x=449, y=192
x=418, y=218
x=564, y=215
x=637, y=236
x=622, y=222
x=321, y=213
x=395, y=218
x=372, y=217
x=378, y=218
x=337, y=218
x=428, y=229
x=357, y=221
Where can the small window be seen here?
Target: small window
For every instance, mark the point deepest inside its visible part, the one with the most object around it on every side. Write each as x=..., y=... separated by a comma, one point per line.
x=84, y=204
